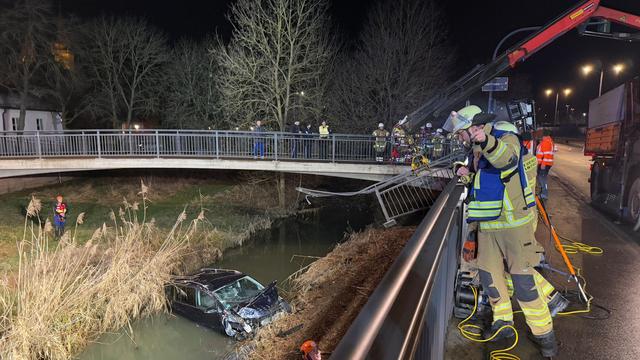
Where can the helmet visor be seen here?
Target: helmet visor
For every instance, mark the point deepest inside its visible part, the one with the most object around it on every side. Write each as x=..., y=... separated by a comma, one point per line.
x=456, y=122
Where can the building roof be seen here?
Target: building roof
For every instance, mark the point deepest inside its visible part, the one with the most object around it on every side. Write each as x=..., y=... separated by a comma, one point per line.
x=12, y=101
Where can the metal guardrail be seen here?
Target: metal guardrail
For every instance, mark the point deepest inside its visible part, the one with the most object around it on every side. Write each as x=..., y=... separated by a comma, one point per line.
x=190, y=143
x=406, y=316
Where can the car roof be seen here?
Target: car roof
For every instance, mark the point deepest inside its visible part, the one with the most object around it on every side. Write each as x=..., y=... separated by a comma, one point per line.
x=210, y=279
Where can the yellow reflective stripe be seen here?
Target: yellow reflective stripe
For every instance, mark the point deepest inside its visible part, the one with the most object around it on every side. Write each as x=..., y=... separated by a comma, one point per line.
x=506, y=201
x=534, y=312
x=498, y=307
x=497, y=152
x=539, y=322
x=503, y=317
x=486, y=204
x=510, y=223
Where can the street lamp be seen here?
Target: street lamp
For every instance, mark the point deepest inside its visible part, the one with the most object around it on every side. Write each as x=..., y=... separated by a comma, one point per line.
x=549, y=92
x=588, y=68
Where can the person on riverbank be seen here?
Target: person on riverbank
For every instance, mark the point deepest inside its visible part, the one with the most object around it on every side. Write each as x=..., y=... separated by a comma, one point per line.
x=59, y=216
x=310, y=350
x=258, y=142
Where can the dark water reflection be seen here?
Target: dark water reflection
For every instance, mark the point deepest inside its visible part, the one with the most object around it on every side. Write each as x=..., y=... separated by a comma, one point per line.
x=267, y=257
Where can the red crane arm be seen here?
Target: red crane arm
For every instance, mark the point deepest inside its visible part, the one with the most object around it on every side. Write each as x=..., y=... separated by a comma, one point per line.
x=568, y=21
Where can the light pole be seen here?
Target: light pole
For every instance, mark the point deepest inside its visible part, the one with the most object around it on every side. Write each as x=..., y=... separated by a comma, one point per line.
x=588, y=68
x=549, y=92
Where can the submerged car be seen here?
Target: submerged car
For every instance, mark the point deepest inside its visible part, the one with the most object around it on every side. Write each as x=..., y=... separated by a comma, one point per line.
x=225, y=299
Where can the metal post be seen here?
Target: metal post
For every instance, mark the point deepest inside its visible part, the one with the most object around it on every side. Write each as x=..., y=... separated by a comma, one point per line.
x=217, y=146
x=555, y=114
x=98, y=142
x=130, y=143
x=157, y=144
x=38, y=145
x=601, y=77
x=333, y=148
x=84, y=144
x=275, y=146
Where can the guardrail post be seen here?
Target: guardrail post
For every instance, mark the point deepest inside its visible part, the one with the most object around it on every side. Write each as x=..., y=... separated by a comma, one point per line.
x=130, y=142
x=98, y=142
x=275, y=145
x=38, y=145
x=333, y=147
x=84, y=144
x=217, y=137
x=157, y=144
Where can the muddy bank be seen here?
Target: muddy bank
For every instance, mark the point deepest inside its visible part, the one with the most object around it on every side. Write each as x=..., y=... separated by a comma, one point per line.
x=327, y=296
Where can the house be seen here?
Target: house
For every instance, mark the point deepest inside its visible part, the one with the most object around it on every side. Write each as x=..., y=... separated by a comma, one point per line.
x=41, y=115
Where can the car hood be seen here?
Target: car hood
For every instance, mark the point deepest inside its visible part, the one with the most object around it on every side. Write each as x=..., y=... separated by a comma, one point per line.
x=261, y=305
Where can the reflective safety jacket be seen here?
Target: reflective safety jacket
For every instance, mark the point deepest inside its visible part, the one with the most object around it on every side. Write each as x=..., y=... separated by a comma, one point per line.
x=502, y=196
x=381, y=138
x=545, y=151
x=324, y=131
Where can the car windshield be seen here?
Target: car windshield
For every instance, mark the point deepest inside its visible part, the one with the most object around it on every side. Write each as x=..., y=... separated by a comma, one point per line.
x=238, y=291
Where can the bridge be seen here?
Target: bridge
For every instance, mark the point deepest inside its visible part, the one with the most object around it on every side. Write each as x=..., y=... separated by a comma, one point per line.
x=340, y=155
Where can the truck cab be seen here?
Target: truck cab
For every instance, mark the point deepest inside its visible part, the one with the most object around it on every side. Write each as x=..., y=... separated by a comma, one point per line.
x=613, y=142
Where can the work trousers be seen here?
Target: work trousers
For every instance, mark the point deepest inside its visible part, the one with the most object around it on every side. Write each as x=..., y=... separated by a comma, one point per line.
x=543, y=175
x=515, y=248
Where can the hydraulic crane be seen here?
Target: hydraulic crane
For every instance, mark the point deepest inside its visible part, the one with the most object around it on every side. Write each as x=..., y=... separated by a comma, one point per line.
x=589, y=17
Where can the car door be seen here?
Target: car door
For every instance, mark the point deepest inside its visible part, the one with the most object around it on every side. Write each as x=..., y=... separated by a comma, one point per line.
x=184, y=303
x=211, y=309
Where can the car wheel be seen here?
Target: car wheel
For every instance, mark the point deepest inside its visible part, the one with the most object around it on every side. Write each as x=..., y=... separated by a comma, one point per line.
x=633, y=203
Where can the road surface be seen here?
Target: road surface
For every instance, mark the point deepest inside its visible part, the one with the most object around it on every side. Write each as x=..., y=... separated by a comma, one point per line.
x=573, y=167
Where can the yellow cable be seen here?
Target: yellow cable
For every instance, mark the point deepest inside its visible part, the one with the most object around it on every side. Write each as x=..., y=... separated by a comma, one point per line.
x=501, y=354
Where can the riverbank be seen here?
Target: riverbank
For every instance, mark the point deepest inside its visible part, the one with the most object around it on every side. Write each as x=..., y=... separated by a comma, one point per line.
x=235, y=206
x=125, y=237
x=327, y=296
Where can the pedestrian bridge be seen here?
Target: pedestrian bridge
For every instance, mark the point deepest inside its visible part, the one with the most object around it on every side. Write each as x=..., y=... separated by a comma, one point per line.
x=340, y=155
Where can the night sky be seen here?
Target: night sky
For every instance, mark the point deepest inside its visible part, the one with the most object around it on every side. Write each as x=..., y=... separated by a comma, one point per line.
x=475, y=28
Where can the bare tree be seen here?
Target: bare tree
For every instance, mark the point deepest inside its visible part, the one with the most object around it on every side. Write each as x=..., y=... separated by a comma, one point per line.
x=192, y=97
x=276, y=60
x=124, y=59
x=27, y=33
x=400, y=58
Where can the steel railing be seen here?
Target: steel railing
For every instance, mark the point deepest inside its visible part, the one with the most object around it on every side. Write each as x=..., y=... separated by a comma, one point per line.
x=406, y=316
x=192, y=143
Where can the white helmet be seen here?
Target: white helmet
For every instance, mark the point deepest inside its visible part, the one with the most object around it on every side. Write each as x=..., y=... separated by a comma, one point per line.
x=429, y=126
x=439, y=131
x=381, y=125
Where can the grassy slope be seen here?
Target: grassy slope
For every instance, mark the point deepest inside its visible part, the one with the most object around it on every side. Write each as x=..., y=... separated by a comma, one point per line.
x=98, y=197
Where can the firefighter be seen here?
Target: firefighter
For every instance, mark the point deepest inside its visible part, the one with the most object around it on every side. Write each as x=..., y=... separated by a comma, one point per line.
x=380, y=144
x=438, y=144
x=59, y=216
x=544, y=153
x=399, y=143
x=502, y=204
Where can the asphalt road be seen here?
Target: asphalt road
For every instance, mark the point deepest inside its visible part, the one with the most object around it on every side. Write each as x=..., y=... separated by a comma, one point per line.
x=571, y=165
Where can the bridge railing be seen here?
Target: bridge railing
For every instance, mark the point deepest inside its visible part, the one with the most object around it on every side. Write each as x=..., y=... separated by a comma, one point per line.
x=192, y=143
x=406, y=316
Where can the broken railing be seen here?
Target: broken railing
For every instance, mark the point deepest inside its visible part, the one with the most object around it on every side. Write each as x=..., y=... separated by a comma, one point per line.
x=406, y=316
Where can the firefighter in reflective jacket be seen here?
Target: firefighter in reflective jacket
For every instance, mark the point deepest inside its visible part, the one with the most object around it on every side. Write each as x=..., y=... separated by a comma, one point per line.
x=502, y=203
x=544, y=153
x=380, y=144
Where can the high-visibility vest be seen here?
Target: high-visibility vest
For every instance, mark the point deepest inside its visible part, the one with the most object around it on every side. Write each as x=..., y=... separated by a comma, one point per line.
x=324, y=131
x=545, y=151
x=489, y=197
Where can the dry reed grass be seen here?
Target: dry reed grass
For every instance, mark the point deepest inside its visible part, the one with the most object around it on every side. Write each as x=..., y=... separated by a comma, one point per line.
x=328, y=294
x=63, y=297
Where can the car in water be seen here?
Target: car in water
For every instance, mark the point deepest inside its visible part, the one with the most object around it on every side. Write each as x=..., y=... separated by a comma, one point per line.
x=226, y=300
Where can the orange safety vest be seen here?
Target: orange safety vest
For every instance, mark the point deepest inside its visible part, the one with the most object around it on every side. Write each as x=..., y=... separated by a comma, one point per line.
x=529, y=145
x=545, y=151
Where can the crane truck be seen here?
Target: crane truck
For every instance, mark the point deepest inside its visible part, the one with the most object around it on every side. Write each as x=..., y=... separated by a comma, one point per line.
x=613, y=142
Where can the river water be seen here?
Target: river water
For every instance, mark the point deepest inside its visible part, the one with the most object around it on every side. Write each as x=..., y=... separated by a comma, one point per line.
x=266, y=257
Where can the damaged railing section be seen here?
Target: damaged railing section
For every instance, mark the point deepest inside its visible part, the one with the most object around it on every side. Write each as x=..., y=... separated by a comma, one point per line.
x=406, y=316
